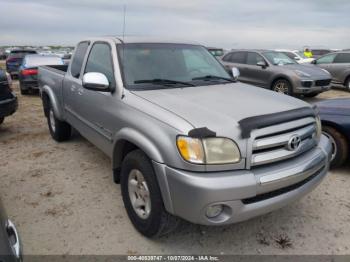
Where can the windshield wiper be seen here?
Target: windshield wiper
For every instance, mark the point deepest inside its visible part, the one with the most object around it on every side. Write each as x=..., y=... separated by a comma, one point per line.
x=213, y=77
x=162, y=82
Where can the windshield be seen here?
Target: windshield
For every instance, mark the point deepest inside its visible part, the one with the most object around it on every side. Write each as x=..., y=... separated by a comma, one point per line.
x=142, y=64
x=278, y=58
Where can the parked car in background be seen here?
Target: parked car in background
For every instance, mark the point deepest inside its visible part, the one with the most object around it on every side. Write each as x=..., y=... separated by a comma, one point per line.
x=8, y=99
x=14, y=60
x=276, y=71
x=338, y=65
x=297, y=56
x=185, y=139
x=217, y=52
x=10, y=243
x=28, y=71
x=3, y=55
x=316, y=53
x=335, y=117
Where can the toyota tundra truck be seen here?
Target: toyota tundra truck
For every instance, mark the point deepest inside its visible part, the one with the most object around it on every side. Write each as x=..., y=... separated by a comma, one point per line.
x=185, y=139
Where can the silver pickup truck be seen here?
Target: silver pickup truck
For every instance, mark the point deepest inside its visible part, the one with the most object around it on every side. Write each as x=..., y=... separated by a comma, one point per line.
x=185, y=139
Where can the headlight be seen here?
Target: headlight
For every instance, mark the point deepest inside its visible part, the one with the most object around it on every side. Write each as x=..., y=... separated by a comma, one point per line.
x=318, y=127
x=191, y=149
x=214, y=150
x=301, y=73
x=325, y=71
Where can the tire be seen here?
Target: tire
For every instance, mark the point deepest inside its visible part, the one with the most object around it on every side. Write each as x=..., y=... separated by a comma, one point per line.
x=24, y=92
x=150, y=218
x=347, y=84
x=340, y=146
x=311, y=95
x=2, y=120
x=59, y=130
x=282, y=86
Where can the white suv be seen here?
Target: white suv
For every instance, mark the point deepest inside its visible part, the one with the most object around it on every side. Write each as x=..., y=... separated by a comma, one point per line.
x=296, y=55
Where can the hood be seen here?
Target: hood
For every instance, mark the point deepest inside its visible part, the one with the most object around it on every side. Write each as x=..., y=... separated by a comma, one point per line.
x=310, y=69
x=339, y=106
x=219, y=106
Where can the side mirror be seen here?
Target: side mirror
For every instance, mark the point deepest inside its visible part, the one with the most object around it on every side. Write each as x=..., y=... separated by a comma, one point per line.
x=313, y=62
x=235, y=73
x=96, y=82
x=262, y=64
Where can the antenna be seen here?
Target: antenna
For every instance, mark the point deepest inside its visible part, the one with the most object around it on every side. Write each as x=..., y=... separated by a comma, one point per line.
x=124, y=11
x=123, y=57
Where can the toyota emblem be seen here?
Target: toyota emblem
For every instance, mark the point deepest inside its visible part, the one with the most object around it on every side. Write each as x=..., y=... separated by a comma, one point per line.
x=294, y=143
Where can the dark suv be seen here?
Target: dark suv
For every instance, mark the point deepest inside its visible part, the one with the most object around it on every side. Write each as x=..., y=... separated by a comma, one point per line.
x=338, y=64
x=8, y=100
x=276, y=71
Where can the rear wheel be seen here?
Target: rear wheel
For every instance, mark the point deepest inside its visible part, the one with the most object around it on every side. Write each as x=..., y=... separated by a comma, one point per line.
x=59, y=130
x=142, y=198
x=282, y=86
x=339, y=145
x=347, y=84
x=2, y=120
x=22, y=90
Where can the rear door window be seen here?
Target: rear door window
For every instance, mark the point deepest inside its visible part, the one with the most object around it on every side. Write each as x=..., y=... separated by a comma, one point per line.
x=342, y=58
x=78, y=59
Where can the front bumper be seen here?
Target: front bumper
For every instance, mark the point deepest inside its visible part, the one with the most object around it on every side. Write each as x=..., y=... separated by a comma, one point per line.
x=308, y=86
x=8, y=106
x=29, y=84
x=243, y=193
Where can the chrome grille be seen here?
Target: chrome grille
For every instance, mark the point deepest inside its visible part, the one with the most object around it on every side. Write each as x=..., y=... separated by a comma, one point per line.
x=274, y=147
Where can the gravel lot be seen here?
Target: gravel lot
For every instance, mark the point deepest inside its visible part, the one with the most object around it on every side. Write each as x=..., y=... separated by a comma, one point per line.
x=63, y=200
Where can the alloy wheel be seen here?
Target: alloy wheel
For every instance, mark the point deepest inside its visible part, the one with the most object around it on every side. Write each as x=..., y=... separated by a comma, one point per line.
x=139, y=194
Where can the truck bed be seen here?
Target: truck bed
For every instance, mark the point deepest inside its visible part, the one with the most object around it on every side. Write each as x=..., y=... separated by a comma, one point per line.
x=59, y=69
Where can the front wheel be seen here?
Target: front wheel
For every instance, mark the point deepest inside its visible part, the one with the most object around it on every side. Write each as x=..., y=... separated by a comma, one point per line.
x=340, y=149
x=142, y=198
x=23, y=91
x=59, y=130
x=282, y=86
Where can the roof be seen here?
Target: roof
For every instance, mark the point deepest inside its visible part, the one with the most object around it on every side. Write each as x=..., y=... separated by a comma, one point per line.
x=142, y=39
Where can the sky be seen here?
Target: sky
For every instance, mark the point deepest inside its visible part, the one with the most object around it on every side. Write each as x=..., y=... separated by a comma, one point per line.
x=221, y=23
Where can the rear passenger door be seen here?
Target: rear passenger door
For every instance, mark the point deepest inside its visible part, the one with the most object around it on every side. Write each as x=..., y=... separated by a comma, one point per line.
x=72, y=84
x=341, y=67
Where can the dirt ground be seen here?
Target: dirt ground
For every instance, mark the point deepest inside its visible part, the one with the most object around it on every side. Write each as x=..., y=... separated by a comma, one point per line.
x=63, y=200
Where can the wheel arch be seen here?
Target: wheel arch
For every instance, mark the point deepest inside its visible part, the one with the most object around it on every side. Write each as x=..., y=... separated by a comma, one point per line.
x=337, y=127
x=49, y=97
x=280, y=77
x=129, y=139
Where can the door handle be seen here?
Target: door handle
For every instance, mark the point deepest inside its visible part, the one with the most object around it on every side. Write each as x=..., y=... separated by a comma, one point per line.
x=72, y=88
x=80, y=91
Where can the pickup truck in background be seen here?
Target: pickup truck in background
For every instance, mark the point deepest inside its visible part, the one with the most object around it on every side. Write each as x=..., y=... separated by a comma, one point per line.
x=185, y=139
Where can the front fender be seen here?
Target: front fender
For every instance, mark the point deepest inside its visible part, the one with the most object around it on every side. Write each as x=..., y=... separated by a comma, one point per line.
x=53, y=101
x=138, y=139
